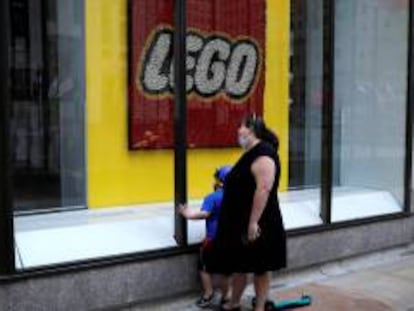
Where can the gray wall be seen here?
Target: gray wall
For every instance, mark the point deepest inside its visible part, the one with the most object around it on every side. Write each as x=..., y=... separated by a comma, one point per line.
x=103, y=287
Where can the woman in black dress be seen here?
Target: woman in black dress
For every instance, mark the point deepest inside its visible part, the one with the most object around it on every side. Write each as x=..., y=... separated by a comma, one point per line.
x=251, y=237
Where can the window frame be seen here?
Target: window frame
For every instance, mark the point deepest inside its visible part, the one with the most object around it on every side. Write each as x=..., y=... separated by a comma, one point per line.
x=7, y=265
x=328, y=117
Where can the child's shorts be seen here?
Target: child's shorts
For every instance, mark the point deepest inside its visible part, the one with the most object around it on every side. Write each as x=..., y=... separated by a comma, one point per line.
x=205, y=259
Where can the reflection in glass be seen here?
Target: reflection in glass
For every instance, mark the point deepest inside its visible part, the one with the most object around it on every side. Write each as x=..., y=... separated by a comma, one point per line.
x=47, y=127
x=305, y=115
x=47, y=109
x=370, y=107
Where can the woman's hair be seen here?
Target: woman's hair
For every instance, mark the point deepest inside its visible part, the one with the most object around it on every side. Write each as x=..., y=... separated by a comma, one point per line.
x=258, y=126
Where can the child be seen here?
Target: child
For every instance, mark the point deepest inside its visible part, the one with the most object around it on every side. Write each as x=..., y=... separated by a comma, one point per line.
x=209, y=211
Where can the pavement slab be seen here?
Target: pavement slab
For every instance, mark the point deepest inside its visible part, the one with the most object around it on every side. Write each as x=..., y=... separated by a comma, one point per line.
x=329, y=298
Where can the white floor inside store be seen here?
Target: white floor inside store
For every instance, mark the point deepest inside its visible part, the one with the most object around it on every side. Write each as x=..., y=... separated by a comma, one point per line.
x=63, y=237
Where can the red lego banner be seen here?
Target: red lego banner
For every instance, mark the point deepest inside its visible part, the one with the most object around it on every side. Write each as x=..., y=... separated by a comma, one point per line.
x=225, y=70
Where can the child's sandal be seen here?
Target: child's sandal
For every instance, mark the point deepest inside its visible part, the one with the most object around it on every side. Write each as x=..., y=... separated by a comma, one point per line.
x=204, y=302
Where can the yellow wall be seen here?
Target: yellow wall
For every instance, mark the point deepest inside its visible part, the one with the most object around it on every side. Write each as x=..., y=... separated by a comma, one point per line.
x=276, y=97
x=117, y=176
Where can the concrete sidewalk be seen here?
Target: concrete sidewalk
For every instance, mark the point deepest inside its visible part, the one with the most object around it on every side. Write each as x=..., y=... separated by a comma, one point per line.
x=380, y=281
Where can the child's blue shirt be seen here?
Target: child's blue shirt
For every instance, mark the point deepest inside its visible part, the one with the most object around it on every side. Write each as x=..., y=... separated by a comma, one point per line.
x=212, y=205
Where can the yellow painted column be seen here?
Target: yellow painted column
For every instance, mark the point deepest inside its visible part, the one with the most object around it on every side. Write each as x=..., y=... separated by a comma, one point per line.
x=276, y=97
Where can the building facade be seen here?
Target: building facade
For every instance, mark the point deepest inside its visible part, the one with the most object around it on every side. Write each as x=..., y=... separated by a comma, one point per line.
x=113, y=112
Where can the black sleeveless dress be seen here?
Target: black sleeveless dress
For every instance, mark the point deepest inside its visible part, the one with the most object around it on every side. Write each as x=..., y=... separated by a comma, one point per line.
x=231, y=250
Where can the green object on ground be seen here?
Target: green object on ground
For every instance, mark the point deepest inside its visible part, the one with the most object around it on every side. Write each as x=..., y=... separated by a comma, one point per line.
x=302, y=301
x=292, y=303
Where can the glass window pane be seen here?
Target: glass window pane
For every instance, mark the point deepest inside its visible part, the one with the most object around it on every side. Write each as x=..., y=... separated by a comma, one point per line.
x=47, y=120
x=370, y=107
x=225, y=82
x=223, y=30
x=47, y=107
x=302, y=202
x=74, y=149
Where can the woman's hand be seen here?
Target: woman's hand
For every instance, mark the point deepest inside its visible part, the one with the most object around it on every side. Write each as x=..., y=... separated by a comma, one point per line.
x=253, y=232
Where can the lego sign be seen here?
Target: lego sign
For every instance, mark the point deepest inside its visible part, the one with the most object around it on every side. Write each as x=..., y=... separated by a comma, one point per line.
x=224, y=70
x=214, y=65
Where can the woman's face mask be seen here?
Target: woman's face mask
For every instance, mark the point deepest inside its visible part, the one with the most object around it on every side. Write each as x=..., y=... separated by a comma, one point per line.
x=243, y=136
x=243, y=141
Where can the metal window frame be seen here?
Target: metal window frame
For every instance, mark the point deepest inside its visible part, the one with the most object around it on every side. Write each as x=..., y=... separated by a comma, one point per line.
x=328, y=75
x=7, y=262
x=409, y=111
x=180, y=121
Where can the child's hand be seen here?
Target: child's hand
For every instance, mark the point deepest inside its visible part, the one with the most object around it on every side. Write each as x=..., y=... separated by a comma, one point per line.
x=182, y=208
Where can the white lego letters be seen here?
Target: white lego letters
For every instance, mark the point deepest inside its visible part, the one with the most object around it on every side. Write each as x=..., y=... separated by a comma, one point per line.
x=214, y=64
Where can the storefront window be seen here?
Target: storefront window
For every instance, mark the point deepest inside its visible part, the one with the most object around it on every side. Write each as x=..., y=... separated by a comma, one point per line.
x=47, y=120
x=226, y=53
x=369, y=107
x=93, y=104
x=301, y=204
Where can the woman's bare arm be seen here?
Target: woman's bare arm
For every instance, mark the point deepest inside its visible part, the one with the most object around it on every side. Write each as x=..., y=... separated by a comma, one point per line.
x=263, y=169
